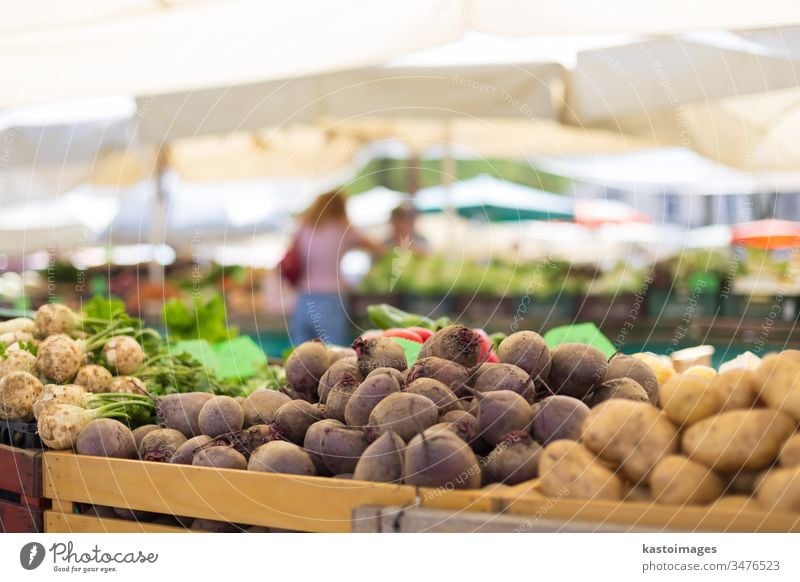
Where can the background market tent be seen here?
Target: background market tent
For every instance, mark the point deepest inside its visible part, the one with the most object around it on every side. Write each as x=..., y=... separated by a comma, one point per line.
x=489, y=199
x=597, y=211
x=769, y=234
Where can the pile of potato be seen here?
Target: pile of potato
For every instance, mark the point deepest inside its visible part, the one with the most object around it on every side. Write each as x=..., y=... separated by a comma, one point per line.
x=730, y=439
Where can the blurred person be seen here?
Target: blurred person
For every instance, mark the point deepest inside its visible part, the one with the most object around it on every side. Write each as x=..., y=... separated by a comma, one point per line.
x=404, y=233
x=324, y=234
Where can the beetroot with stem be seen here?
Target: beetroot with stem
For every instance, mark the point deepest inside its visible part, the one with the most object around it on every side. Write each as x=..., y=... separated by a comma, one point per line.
x=366, y=397
x=456, y=343
x=293, y=419
x=405, y=414
x=437, y=392
x=248, y=440
x=627, y=388
x=514, y=460
x=454, y=376
x=184, y=455
x=160, y=445
x=105, y=437
x=379, y=352
x=180, y=411
x=438, y=458
x=220, y=415
x=526, y=350
x=490, y=377
x=501, y=412
x=304, y=368
x=341, y=447
x=382, y=461
x=558, y=417
x=464, y=424
x=220, y=458
x=260, y=406
x=622, y=366
x=339, y=396
x=334, y=374
x=576, y=370
x=313, y=442
x=281, y=457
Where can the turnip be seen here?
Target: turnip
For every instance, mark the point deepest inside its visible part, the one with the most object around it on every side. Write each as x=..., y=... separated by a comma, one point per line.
x=312, y=443
x=440, y=459
x=220, y=415
x=94, y=378
x=59, y=358
x=366, y=397
x=142, y=431
x=184, y=454
x=526, y=350
x=464, y=424
x=248, y=440
x=77, y=396
x=123, y=354
x=501, y=412
x=514, y=460
x=293, y=419
x=558, y=417
x=260, y=406
x=576, y=370
x=456, y=343
x=622, y=366
x=18, y=361
x=305, y=367
x=160, y=445
x=18, y=393
x=454, y=376
x=627, y=388
x=379, y=352
x=219, y=457
x=333, y=376
x=438, y=393
x=17, y=325
x=55, y=318
x=281, y=457
x=338, y=397
x=341, y=447
x=61, y=424
x=403, y=413
x=180, y=411
x=106, y=437
x=127, y=385
x=382, y=461
x=490, y=377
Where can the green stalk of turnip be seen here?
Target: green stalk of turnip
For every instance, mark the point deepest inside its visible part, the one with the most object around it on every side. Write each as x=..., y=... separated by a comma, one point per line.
x=61, y=424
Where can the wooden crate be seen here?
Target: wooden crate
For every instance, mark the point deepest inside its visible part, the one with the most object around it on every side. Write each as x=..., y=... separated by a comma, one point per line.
x=21, y=499
x=312, y=504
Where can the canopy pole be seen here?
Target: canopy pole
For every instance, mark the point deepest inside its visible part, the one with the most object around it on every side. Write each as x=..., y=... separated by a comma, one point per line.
x=155, y=270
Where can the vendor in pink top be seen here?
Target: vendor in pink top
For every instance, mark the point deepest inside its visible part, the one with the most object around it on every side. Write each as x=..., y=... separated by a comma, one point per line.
x=323, y=236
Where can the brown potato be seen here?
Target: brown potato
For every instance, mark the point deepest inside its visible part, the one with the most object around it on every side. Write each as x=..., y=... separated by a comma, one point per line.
x=736, y=389
x=676, y=480
x=790, y=453
x=778, y=381
x=687, y=399
x=739, y=439
x=779, y=490
x=568, y=469
x=633, y=436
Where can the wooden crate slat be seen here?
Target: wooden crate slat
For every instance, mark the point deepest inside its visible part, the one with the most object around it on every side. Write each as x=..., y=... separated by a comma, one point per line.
x=20, y=471
x=272, y=500
x=55, y=522
x=15, y=518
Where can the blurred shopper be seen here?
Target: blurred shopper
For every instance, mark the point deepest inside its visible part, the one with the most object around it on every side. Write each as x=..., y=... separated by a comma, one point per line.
x=324, y=234
x=404, y=233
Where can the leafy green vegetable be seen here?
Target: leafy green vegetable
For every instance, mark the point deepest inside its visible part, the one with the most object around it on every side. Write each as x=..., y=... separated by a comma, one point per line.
x=206, y=321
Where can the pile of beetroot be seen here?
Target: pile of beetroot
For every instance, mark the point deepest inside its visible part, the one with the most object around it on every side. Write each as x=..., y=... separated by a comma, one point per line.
x=450, y=420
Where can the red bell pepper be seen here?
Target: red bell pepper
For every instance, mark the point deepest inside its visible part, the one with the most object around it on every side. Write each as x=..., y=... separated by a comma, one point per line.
x=403, y=333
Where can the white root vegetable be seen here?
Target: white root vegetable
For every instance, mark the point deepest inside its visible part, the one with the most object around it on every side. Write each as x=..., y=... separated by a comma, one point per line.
x=54, y=318
x=123, y=354
x=18, y=325
x=94, y=378
x=127, y=384
x=61, y=424
x=13, y=337
x=18, y=392
x=53, y=394
x=59, y=358
x=18, y=361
